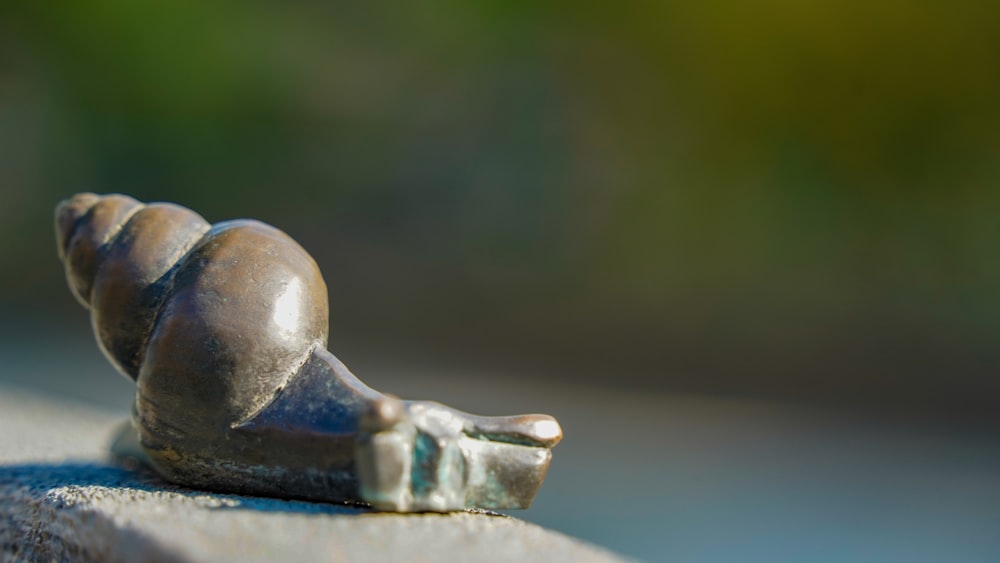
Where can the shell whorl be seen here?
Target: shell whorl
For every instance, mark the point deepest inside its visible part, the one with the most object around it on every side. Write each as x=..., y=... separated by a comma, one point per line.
x=85, y=224
x=120, y=256
x=183, y=306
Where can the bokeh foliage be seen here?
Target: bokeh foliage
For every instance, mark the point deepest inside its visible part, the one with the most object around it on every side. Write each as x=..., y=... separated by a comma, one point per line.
x=777, y=197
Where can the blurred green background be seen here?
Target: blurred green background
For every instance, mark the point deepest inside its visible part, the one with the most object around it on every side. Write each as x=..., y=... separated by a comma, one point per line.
x=779, y=199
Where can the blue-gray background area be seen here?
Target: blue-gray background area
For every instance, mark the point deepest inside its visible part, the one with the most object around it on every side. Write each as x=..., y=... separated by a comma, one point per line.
x=746, y=254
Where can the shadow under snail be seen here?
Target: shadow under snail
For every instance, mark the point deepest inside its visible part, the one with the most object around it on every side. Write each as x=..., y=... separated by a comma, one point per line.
x=224, y=330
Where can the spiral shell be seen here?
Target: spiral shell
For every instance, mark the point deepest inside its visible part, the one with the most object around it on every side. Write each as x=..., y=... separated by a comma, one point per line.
x=260, y=303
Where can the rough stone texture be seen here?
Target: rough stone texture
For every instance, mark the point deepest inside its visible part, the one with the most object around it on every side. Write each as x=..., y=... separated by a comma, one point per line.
x=59, y=500
x=659, y=477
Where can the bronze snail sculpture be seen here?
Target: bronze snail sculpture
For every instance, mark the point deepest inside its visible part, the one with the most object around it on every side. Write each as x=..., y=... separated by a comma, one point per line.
x=224, y=329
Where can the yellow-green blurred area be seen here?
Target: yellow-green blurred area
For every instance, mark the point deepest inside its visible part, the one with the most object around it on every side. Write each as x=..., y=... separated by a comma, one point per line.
x=770, y=199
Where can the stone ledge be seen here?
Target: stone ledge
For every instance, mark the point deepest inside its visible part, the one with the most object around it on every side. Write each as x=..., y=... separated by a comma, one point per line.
x=60, y=501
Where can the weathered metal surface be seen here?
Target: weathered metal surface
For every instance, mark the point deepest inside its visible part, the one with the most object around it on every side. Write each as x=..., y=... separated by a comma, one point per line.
x=224, y=329
x=61, y=501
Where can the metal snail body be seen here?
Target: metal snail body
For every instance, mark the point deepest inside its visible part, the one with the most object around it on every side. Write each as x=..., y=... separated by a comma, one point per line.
x=224, y=329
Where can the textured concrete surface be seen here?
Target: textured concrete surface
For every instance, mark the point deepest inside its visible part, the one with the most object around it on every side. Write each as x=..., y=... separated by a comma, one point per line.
x=659, y=477
x=59, y=500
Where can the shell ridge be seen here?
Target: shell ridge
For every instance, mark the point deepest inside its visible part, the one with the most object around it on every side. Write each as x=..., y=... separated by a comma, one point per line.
x=109, y=238
x=102, y=250
x=167, y=281
x=280, y=388
x=117, y=228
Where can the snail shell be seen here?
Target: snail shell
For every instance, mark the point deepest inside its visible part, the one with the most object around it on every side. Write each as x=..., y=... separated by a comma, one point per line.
x=224, y=329
x=183, y=307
